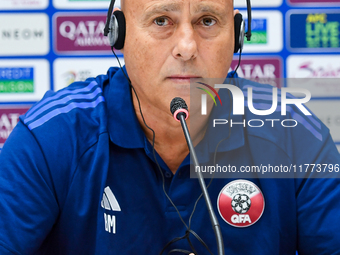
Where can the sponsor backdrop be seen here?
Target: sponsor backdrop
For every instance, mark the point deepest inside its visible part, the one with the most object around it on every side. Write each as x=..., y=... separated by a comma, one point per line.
x=48, y=44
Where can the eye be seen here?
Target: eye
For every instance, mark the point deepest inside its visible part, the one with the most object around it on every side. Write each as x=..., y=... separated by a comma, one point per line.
x=208, y=22
x=161, y=21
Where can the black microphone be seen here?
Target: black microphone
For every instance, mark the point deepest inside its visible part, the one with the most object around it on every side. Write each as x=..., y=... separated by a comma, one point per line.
x=179, y=107
x=179, y=110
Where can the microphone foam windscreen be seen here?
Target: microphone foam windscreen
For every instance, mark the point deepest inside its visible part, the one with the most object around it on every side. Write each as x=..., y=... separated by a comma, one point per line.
x=176, y=104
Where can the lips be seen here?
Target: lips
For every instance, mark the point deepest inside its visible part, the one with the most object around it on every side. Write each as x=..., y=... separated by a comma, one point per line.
x=182, y=78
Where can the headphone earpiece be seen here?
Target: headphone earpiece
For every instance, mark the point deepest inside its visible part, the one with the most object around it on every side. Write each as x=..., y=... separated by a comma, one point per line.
x=239, y=32
x=117, y=30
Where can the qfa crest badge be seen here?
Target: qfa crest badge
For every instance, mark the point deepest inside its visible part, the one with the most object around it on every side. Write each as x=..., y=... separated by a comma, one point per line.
x=240, y=203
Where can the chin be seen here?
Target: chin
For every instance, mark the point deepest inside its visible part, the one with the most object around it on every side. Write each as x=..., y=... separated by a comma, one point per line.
x=183, y=90
x=185, y=95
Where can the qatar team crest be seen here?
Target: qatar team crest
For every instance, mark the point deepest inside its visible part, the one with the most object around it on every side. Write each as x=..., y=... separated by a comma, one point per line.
x=240, y=203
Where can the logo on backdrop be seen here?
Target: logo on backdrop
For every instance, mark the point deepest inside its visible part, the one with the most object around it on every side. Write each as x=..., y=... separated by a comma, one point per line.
x=258, y=31
x=83, y=4
x=316, y=66
x=315, y=2
x=258, y=3
x=16, y=80
x=68, y=70
x=72, y=76
x=23, y=80
x=263, y=70
x=24, y=34
x=21, y=34
x=9, y=118
x=23, y=4
x=240, y=203
x=80, y=33
x=267, y=32
x=314, y=32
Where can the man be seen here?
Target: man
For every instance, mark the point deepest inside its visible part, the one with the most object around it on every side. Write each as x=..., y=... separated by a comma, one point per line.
x=79, y=176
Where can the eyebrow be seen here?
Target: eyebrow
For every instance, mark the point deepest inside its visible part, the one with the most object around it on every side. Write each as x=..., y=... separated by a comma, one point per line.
x=161, y=8
x=204, y=8
x=175, y=7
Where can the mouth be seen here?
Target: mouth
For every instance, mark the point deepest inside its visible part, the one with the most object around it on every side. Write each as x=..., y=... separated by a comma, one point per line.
x=182, y=78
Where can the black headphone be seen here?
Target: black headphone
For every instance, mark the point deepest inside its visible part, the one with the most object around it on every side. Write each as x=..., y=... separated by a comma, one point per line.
x=115, y=28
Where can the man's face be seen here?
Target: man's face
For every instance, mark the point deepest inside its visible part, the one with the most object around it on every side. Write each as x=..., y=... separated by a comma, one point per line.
x=170, y=41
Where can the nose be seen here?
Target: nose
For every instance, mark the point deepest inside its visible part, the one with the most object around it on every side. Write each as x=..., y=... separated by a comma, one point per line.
x=186, y=45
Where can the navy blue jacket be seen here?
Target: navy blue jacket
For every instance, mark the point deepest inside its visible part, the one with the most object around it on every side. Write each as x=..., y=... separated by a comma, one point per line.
x=78, y=176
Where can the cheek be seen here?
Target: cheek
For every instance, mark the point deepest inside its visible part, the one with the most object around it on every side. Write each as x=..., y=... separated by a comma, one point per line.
x=137, y=55
x=225, y=56
x=219, y=59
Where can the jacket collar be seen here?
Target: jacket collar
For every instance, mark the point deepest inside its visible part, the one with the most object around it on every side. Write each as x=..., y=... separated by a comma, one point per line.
x=123, y=125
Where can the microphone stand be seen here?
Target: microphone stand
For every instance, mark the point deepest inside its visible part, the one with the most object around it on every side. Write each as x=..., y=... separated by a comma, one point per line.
x=213, y=219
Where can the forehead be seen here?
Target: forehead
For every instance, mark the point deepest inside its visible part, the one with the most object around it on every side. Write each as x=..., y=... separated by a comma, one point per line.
x=178, y=5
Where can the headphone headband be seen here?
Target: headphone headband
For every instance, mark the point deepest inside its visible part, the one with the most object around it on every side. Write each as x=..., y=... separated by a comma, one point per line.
x=248, y=33
x=108, y=17
x=112, y=27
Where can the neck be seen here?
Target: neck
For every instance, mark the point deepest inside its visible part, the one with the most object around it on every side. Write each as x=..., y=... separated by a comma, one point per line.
x=170, y=142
